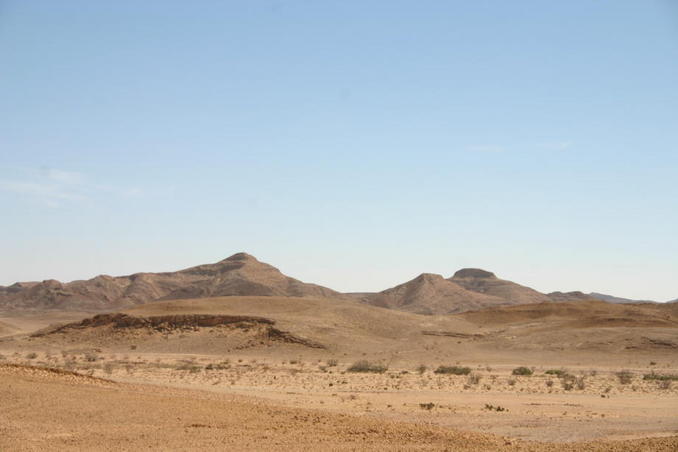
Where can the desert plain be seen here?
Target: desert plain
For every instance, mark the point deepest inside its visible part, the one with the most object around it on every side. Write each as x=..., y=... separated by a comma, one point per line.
x=267, y=372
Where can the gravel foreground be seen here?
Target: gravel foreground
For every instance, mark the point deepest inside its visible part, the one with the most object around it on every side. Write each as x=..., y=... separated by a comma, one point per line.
x=44, y=409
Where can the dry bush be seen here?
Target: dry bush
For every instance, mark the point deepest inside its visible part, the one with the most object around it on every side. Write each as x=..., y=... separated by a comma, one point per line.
x=549, y=383
x=511, y=381
x=108, y=368
x=664, y=384
x=332, y=363
x=580, y=383
x=625, y=377
x=494, y=408
x=473, y=379
x=366, y=366
x=31, y=355
x=427, y=406
x=524, y=371
x=452, y=370
x=421, y=369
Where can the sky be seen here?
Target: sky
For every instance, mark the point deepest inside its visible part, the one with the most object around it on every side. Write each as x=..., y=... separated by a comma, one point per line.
x=351, y=144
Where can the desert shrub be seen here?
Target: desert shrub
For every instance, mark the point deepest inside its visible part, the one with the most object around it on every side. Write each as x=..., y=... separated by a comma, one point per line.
x=549, y=383
x=557, y=372
x=91, y=357
x=567, y=385
x=453, y=370
x=192, y=368
x=332, y=363
x=132, y=347
x=31, y=355
x=526, y=371
x=494, y=408
x=108, y=368
x=511, y=381
x=580, y=383
x=625, y=377
x=421, y=369
x=427, y=406
x=664, y=384
x=366, y=366
x=660, y=377
x=473, y=379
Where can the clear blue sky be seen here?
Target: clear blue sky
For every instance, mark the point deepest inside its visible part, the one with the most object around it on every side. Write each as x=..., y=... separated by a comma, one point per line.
x=351, y=144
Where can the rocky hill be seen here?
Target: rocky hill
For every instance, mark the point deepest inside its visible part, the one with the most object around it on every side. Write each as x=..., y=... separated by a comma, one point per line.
x=240, y=274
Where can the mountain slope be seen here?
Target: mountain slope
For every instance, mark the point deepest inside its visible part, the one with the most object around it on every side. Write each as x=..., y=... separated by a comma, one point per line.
x=240, y=274
x=431, y=294
x=618, y=300
x=487, y=283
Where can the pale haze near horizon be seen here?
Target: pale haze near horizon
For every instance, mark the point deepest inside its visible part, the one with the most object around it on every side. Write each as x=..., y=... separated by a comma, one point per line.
x=350, y=145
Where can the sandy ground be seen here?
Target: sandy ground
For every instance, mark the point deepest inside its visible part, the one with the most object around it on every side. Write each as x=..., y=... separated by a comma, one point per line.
x=43, y=410
x=189, y=388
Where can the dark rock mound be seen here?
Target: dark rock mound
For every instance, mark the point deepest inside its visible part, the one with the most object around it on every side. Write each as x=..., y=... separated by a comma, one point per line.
x=473, y=273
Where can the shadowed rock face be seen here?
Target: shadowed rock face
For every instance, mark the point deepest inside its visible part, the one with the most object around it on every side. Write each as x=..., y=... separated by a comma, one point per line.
x=484, y=282
x=473, y=273
x=240, y=274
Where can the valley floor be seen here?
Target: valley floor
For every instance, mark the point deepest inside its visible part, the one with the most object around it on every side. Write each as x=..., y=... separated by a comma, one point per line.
x=156, y=401
x=47, y=410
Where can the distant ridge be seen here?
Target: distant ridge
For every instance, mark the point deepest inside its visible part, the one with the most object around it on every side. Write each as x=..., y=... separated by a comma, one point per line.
x=469, y=289
x=618, y=300
x=243, y=275
x=239, y=274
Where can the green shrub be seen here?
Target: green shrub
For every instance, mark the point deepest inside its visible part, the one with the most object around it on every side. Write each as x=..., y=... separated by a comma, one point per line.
x=366, y=366
x=526, y=371
x=452, y=370
x=660, y=377
x=557, y=372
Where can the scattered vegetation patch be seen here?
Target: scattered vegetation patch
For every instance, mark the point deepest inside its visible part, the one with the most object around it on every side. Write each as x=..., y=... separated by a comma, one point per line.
x=580, y=383
x=525, y=371
x=664, y=384
x=427, y=406
x=366, y=366
x=453, y=370
x=490, y=407
x=473, y=379
x=625, y=377
x=557, y=372
x=660, y=377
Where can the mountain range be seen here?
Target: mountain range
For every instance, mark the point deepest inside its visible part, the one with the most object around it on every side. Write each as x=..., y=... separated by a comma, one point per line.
x=468, y=289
